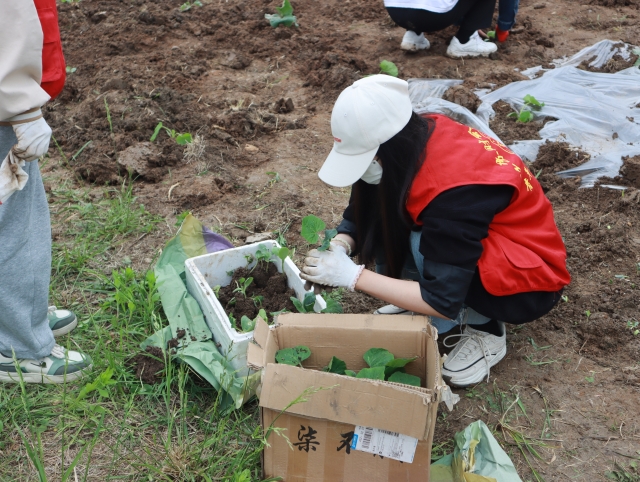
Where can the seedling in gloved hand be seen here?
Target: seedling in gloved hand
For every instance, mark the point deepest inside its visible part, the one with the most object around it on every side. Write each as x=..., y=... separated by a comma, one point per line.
x=283, y=17
x=311, y=228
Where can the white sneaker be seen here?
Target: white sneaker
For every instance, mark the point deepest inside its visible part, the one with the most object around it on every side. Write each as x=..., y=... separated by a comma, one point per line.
x=475, y=47
x=392, y=310
x=61, y=366
x=412, y=42
x=473, y=356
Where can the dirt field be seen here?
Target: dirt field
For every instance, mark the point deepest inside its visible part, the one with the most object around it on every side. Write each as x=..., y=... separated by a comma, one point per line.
x=221, y=73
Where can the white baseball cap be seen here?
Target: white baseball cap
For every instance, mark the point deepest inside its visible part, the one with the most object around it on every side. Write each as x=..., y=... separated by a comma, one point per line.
x=367, y=113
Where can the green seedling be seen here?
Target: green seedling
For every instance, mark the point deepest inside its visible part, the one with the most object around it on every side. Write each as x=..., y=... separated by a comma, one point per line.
x=242, y=284
x=491, y=34
x=373, y=373
x=189, y=5
x=293, y=356
x=284, y=16
x=312, y=226
x=250, y=259
x=382, y=366
x=306, y=305
x=257, y=300
x=336, y=366
x=389, y=68
x=70, y=70
x=263, y=255
x=181, y=139
x=216, y=290
x=248, y=324
x=532, y=102
x=632, y=326
x=525, y=115
x=282, y=253
x=181, y=217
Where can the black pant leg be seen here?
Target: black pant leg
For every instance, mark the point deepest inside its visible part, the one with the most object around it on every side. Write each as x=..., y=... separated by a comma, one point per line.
x=477, y=14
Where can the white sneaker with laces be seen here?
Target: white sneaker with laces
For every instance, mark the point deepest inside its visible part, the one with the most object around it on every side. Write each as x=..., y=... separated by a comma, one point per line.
x=392, y=310
x=412, y=42
x=61, y=366
x=475, y=47
x=473, y=356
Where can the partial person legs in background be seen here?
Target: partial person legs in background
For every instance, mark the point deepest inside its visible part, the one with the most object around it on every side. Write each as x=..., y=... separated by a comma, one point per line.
x=25, y=261
x=507, y=11
x=475, y=14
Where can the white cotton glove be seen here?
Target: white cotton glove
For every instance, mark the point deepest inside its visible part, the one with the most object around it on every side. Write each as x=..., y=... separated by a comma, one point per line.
x=332, y=268
x=318, y=288
x=12, y=177
x=33, y=140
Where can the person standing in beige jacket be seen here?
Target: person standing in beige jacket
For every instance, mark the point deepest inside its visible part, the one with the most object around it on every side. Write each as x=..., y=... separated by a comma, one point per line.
x=31, y=72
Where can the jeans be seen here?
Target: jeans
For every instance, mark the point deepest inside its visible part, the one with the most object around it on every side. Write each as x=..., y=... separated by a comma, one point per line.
x=507, y=10
x=25, y=265
x=413, y=270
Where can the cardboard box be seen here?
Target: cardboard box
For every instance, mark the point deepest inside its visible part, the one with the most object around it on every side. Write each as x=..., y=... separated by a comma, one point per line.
x=321, y=430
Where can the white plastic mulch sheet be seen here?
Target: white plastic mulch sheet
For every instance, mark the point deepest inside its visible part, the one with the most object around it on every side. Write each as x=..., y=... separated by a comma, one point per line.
x=597, y=112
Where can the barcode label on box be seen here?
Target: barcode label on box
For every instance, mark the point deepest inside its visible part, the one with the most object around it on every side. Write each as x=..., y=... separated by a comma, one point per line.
x=384, y=443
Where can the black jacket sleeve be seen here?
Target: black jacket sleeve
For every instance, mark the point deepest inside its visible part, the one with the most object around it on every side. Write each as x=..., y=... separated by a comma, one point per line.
x=453, y=226
x=348, y=224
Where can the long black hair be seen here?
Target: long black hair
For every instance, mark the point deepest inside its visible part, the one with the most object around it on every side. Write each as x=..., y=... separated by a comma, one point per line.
x=382, y=221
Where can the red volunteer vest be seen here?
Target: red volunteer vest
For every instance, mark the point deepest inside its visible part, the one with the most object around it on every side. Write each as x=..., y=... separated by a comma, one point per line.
x=524, y=250
x=53, y=65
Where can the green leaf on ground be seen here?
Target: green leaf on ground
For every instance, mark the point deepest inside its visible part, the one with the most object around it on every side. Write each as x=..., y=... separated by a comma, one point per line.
x=311, y=227
x=350, y=373
x=283, y=17
x=286, y=10
x=293, y=356
x=389, y=68
x=400, y=377
x=375, y=373
x=377, y=357
x=183, y=139
x=336, y=366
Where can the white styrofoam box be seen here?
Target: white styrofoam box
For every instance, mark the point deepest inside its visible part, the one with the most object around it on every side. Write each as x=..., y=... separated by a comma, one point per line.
x=209, y=270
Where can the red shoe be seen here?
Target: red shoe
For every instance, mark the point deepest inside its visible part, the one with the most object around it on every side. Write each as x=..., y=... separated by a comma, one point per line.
x=501, y=35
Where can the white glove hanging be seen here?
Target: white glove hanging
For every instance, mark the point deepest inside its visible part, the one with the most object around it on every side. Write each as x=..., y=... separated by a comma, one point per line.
x=331, y=268
x=12, y=177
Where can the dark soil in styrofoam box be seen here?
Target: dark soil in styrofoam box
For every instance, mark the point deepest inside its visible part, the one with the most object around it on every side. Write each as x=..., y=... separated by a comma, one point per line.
x=267, y=282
